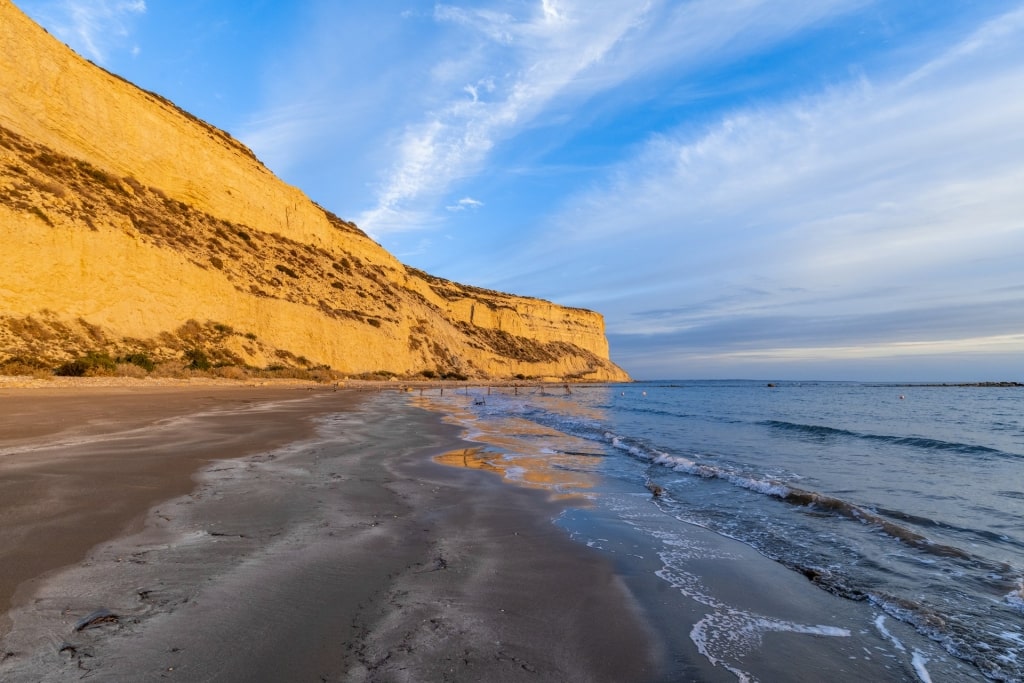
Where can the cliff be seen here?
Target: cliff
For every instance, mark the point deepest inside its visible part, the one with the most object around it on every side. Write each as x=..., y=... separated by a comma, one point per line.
x=132, y=229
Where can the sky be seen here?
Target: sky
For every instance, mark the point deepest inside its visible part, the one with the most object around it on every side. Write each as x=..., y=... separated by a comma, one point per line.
x=761, y=189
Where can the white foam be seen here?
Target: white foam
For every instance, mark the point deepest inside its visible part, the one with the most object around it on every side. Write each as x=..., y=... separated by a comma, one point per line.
x=768, y=488
x=699, y=636
x=880, y=625
x=1012, y=635
x=1015, y=598
x=728, y=635
x=686, y=465
x=918, y=662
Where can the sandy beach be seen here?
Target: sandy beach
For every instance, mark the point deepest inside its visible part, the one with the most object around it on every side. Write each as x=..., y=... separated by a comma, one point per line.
x=304, y=533
x=284, y=533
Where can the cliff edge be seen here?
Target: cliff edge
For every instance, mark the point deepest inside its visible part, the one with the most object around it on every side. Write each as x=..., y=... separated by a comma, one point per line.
x=133, y=230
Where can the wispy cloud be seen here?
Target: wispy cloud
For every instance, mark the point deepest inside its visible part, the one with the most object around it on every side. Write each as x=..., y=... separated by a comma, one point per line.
x=93, y=27
x=559, y=51
x=445, y=91
x=874, y=198
x=994, y=357
x=518, y=66
x=284, y=135
x=465, y=203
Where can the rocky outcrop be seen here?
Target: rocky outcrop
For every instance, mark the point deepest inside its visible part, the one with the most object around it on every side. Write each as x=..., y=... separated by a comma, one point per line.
x=131, y=227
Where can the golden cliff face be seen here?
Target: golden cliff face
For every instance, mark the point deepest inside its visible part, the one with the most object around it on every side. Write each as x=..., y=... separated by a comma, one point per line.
x=129, y=226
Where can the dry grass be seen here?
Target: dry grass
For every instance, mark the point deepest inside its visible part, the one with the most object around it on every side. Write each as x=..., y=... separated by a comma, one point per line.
x=43, y=345
x=59, y=190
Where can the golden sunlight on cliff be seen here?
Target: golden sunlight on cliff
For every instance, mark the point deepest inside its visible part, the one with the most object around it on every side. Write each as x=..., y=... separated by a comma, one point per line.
x=131, y=228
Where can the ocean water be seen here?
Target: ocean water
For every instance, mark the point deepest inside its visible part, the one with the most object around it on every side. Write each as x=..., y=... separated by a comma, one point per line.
x=906, y=500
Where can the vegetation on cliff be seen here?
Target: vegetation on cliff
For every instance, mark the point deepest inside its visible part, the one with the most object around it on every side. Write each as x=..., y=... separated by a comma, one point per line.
x=58, y=189
x=141, y=239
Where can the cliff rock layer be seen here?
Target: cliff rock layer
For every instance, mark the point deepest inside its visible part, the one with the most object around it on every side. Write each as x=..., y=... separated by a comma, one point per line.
x=130, y=228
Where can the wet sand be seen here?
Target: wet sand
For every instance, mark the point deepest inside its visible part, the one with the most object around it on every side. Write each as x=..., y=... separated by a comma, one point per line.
x=286, y=534
x=80, y=466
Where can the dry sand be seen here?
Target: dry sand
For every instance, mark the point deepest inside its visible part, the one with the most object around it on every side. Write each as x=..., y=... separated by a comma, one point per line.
x=284, y=533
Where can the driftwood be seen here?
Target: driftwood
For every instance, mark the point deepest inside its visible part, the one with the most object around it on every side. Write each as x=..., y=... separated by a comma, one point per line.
x=97, y=618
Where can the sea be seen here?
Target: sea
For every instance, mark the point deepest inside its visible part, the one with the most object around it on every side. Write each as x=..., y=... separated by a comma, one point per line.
x=906, y=500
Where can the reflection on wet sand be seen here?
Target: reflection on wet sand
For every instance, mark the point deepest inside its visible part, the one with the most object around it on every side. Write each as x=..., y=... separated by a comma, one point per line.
x=471, y=458
x=526, y=453
x=537, y=471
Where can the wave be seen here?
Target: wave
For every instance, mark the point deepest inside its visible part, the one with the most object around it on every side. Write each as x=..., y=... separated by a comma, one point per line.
x=1015, y=598
x=911, y=441
x=956, y=636
x=648, y=410
x=794, y=496
x=845, y=508
x=984, y=535
x=911, y=540
x=915, y=546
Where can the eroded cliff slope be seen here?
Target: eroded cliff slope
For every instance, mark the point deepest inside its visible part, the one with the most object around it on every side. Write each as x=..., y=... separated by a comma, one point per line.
x=132, y=229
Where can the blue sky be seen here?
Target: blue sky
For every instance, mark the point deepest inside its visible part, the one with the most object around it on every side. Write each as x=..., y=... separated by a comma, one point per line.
x=750, y=188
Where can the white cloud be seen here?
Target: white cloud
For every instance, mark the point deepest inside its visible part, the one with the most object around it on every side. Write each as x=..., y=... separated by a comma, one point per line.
x=884, y=197
x=451, y=143
x=93, y=27
x=996, y=357
x=435, y=106
x=562, y=50
x=282, y=136
x=1002, y=344
x=999, y=30
x=465, y=203
x=498, y=26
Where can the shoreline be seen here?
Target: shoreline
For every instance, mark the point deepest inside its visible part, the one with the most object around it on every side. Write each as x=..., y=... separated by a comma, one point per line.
x=358, y=556
x=298, y=532
x=721, y=609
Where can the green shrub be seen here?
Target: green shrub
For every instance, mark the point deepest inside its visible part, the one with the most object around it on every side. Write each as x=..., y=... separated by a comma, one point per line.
x=140, y=359
x=90, y=365
x=196, y=359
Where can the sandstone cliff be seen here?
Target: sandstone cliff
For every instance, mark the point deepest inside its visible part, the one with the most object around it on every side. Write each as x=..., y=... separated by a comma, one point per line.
x=132, y=229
